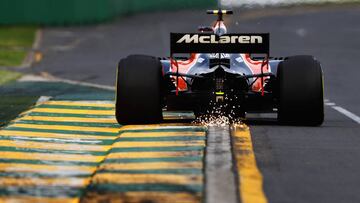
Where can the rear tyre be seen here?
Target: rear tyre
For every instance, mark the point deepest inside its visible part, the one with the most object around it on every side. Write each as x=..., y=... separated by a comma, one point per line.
x=138, y=90
x=300, y=93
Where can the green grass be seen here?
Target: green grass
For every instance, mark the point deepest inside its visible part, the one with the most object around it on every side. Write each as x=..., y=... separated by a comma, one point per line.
x=11, y=58
x=15, y=42
x=7, y=76
x=12, y=106
x=16, y=36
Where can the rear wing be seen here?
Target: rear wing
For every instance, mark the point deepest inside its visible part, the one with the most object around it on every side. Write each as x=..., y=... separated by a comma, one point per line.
x=258, y=43
x=182, y=43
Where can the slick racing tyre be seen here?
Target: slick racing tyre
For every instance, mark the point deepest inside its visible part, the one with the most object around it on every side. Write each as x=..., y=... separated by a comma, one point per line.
x=300, y=93
x=138, y=90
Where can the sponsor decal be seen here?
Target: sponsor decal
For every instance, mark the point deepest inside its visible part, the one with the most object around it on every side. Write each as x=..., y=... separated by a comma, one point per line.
x=212, y=43
x=214, y=39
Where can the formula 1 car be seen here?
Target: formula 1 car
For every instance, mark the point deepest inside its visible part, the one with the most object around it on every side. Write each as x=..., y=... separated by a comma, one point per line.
x=220, y=69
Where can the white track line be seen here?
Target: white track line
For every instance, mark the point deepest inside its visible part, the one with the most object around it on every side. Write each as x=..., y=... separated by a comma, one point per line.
x=50, y=78
x=85, y=84
x=43, y=99
x=343, y=111
x=347, y=113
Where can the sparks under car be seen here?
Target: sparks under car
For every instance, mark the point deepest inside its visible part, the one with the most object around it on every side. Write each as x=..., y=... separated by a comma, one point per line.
x=220, y=69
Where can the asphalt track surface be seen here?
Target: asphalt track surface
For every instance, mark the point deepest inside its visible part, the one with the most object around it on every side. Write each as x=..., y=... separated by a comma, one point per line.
x=299, y=164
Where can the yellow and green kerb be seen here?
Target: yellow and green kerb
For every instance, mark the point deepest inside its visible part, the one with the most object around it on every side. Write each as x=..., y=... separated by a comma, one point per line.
x=66, y=151
x=152, y=164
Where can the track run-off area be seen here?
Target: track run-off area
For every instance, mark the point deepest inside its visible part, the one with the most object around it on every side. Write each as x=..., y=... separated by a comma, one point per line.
x=71, y=151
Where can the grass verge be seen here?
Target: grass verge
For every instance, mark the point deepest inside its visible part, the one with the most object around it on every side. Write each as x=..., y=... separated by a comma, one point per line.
x=15, y=42
x=7, y=76
x=11, y=58
x=12, y=106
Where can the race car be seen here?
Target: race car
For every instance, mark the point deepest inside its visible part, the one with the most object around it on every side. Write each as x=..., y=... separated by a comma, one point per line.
x=214, y=68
